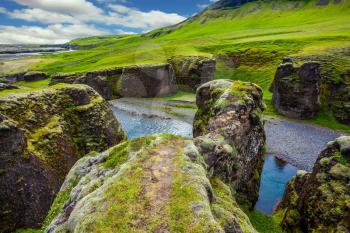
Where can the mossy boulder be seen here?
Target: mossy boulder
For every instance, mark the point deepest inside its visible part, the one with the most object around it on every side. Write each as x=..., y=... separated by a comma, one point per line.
x=32, y=76
x=192, y=71
x=153, y=184
x=320, y=201
x=296, y=90
x=42, y=135
x=136, y=81
x=333, y=93
x=229, y=130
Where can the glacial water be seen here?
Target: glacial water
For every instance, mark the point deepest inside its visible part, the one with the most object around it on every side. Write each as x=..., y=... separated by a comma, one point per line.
x=275, y=175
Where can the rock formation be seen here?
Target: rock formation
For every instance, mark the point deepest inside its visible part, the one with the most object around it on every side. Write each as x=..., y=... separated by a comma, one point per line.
x=320, y=201
x=296, y=90
x=191, y=72
x=230, y=112
x=167, y=183
x=153, y=184
x=42, y=135
x=29, y=76
x=137, y=81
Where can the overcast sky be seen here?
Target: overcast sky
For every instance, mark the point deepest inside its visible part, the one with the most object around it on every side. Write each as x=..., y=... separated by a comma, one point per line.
x=58, y=21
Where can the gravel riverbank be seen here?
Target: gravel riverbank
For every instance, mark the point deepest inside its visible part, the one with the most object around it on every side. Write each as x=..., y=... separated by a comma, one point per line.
x=294, y=142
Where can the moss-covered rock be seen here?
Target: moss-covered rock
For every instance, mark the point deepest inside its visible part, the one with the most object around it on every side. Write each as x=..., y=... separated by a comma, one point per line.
x=42, y=135
x=191, y=72
x=153, y=184
x=135, y=81
x=230, y=134
x=320, y=201
x=296, y=90
x=332, y=92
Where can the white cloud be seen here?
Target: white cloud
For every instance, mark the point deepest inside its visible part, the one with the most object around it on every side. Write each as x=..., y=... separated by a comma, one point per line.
x=52, y=34
x=79, y=15
x=133, y=18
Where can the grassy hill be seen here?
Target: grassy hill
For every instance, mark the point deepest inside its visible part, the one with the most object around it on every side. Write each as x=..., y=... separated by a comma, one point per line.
x=248, y=41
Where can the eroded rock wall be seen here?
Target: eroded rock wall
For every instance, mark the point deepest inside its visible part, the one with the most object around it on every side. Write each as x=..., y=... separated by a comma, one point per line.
x=296, y=90
x=230, y=133
x=193, y=71
x=137, y=81
x=42, y=135
x=319, y=201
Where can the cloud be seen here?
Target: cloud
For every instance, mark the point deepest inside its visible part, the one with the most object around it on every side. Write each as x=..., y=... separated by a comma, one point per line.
x=133, y=18
x=52, y=34
x=82, y=16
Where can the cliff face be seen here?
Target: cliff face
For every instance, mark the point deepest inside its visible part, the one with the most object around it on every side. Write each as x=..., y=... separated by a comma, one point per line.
x=303, y=84
x=42, y=135
x=231, y=110
x=319, y=201
x=137, y=81
x=191, y=72
x=296, y=90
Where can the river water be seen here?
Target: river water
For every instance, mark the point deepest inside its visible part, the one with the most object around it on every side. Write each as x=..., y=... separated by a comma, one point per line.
x=275, y=175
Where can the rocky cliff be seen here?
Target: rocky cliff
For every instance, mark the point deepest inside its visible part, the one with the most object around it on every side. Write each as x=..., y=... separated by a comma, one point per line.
x=137, y=81
x=231, y=113
x=301, y=87
x=296, y=90
x=320, y=201
x=191, y=72
x=42, y=135
x=153, y=184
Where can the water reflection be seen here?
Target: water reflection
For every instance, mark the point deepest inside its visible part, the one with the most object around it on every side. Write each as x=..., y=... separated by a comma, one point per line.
x=275, y=175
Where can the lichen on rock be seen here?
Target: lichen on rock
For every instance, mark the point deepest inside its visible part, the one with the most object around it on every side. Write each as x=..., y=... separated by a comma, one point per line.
x=319, y=201
x=42, y=135
x=229, y=131
x=153, y=184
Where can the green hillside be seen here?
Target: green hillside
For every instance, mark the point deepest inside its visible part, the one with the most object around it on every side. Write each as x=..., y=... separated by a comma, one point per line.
x=248, y=41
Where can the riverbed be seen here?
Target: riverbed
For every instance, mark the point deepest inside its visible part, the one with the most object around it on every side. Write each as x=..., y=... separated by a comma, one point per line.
x=291, y=146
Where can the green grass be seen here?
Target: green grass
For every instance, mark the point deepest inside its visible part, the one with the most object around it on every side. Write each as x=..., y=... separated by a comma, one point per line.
x=264, y=223
x=192, y=106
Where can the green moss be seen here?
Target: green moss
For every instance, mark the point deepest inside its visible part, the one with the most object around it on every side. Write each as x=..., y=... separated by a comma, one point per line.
x=264, y=223
x=342, y=158
x=61, y=198
x=192, y=106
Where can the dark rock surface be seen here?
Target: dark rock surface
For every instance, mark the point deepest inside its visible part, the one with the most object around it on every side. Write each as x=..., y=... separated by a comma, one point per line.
x=232, y=111
x=191, y=72
x=4, y=86
x=296, y=90
x=319, y=201
x=147, y=81
x=137, y=81
x=42, y=135
x=34, y=76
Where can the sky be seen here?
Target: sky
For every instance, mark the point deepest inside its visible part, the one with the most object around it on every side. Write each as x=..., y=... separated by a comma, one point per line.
x=59, y=21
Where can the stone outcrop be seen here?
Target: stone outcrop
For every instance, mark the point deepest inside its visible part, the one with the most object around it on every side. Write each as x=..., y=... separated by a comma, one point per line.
x=296, y=90
x=230, y=134
x=191, y=72
x=137, y=81
x=4, y=86
x=32, y=76
x=42, y=135
x=29, y=76
x=320, y=201
x=153, y=184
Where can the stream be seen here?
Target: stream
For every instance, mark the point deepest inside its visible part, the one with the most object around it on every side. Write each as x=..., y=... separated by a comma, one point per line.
x=297, y=143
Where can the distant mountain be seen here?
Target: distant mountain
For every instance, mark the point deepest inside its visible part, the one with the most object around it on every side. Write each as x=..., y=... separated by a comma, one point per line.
x=228, y=4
